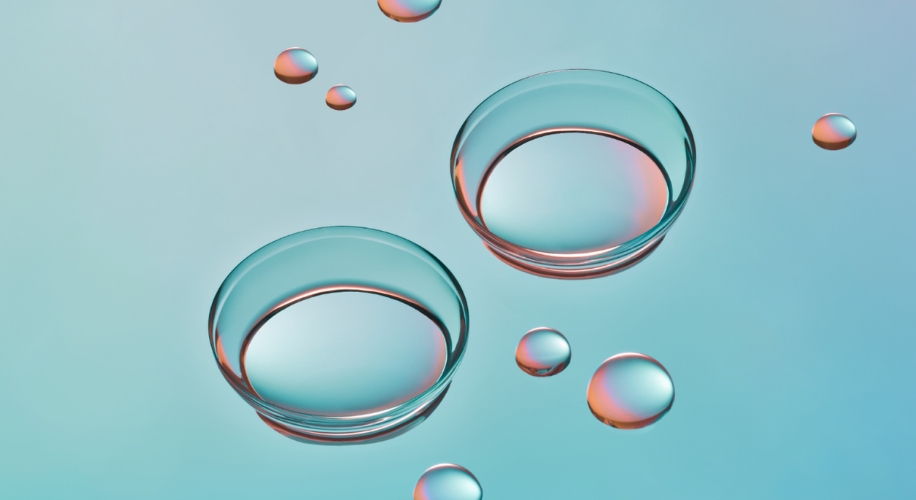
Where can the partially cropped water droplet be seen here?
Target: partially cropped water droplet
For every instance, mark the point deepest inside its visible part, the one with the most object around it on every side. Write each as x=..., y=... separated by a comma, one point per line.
x=573, y=174
x=340, y=97
x=833, y=131
x=409, y=11
x=340, y=335
x=295, y=66
x=447, y=482
x=630, y=391
x=543, y=352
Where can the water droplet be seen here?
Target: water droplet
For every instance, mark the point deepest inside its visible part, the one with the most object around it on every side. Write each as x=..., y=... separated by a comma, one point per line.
x=340, y=97
x=573, y=174
x=447, y=482
x=630, y=391
x=833, y=131
x=543, y=352
x=409, y=11
x=295, y=66
x=340, y=335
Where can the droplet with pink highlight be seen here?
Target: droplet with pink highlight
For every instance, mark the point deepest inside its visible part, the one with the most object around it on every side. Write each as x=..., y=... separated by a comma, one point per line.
x=543, y=352
x=833, y=132
x=630, y=391
x=409, y=11
x=447, y=482
x=340, y=97
x=295, y=66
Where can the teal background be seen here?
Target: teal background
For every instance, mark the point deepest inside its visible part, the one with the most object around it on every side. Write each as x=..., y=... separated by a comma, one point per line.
x=147, y=148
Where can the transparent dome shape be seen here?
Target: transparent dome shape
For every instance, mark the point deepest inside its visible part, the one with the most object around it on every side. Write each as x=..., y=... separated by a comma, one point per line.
x=340, y=335
x=586, y=171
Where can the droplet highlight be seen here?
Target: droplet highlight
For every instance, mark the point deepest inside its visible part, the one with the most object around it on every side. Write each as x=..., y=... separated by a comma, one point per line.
x=543, y=352
x=833, y=132
x=340, y=335
x=573, y=174
x=447, y=482
x=295, y=66
x=630, y=391
x=409, y=11
x=340, y=97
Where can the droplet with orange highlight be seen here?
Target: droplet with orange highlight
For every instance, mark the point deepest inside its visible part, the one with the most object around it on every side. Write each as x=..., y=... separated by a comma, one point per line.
x=409, y=11
x=543, y=352
x=340, y=97
x=630, y=391
x=833, y=132
x=295, y=66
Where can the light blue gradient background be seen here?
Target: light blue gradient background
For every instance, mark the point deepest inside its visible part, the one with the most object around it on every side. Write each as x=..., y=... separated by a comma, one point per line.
x=145, y=149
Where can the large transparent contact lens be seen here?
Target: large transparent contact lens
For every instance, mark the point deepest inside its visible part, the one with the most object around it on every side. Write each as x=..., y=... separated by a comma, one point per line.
x=573, y=174
x=341, y=334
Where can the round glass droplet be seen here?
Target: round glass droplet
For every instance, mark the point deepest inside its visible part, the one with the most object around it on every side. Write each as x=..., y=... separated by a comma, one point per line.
x=409, y=11
x=447, y=482
x=340, y=335
x=340, y=97
x=573, y=174
x=543, y=352
x=295, y=66
x=630, y=391
x=833, y=131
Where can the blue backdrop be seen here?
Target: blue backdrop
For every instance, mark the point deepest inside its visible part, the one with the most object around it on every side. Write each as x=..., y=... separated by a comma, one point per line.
x=146, y=148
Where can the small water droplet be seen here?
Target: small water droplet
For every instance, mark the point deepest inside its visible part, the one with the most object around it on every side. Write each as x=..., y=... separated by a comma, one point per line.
x=447, y=482
x=573, y=174
x=833, y=131
x=409, y=11
x=340, y=97
x=295, y=66
x=630, y=391
x=340, y=335
x=543, y=352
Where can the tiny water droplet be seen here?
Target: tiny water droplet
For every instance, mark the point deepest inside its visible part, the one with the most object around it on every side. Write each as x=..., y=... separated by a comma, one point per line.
x=447, y=482
x=295, y=66
x=630, y=391
x=340, y=97
x=833, y=132
x=543, y=352
x=409, y=11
